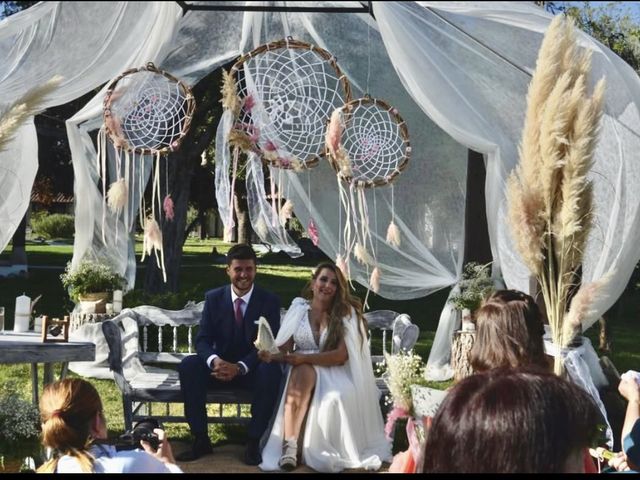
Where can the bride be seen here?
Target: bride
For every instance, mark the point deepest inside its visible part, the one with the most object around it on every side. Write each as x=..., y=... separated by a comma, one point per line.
x=330, y=382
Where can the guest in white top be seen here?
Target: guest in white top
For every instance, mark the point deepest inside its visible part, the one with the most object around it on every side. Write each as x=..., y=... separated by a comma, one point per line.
x=73, y=425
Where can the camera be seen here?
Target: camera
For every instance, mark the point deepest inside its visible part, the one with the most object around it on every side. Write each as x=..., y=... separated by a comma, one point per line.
x=143, y=430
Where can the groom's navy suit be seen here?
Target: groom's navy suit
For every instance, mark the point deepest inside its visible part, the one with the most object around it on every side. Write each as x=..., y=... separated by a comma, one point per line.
x=220, y=335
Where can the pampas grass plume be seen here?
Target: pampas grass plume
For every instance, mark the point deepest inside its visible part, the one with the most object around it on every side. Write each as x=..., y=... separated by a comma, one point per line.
x=582, y=309
x=24, y=108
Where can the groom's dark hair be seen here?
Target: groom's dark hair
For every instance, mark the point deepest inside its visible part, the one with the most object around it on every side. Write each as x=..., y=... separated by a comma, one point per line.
x=241, y=251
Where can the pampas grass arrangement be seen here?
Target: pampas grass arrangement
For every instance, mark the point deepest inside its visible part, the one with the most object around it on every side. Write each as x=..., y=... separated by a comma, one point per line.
x=549, y=195
x=27, y=106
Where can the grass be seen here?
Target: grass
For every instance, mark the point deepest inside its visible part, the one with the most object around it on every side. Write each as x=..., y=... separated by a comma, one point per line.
x=283, y=276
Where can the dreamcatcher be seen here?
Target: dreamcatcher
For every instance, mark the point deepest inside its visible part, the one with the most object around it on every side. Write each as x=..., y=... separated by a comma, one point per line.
x=367, y=143
x=146, y=112
x=277, y=100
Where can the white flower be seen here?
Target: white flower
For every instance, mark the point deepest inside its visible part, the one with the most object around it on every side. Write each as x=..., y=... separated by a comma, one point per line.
x=402, y=371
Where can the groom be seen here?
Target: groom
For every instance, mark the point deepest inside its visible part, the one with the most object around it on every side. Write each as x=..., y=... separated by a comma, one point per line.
x=227, y=357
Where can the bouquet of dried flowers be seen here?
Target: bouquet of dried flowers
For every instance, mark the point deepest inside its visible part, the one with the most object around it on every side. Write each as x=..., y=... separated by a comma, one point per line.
x=549, y=195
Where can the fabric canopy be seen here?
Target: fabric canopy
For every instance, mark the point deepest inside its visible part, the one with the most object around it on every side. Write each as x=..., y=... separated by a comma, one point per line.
x=457, y=72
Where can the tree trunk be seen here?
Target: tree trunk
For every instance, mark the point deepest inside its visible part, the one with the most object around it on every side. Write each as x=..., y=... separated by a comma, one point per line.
x=242, y=212
x=182, y=166
x=172, y=230
x=19, y=254
x=460, y=348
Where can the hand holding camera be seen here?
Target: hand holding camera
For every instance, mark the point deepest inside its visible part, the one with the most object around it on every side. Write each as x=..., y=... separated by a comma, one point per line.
x=161, y=448
x=149, y=435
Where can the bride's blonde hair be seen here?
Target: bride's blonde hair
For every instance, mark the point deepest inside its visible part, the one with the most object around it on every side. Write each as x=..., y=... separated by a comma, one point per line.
x=343, y=302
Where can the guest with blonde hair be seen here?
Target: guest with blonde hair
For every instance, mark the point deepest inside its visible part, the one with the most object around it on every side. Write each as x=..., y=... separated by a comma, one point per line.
x=509, y=333
x=73, y=425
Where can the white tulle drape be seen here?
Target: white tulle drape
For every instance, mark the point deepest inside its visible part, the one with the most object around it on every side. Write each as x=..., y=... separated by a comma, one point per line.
x=468, y=66
x=457, y=72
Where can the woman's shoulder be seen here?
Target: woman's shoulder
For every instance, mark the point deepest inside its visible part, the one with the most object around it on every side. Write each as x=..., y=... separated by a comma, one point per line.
x=299, y=302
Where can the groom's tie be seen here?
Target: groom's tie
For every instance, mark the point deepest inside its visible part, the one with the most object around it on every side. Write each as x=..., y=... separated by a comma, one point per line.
x=239, y=320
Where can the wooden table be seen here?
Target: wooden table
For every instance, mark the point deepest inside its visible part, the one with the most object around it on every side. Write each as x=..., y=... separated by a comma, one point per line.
x=27, y=347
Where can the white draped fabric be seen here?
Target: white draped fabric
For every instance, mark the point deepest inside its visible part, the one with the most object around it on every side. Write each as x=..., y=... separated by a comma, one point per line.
x=344, y=427
x=457, y=72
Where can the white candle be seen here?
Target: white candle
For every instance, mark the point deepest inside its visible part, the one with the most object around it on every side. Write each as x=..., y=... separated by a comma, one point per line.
x=117, y=301
x=22, y=314
x=37, y=324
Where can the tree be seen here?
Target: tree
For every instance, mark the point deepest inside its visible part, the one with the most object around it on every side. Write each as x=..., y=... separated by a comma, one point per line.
x=611, y=24
x=183, y=168
x=9, y=8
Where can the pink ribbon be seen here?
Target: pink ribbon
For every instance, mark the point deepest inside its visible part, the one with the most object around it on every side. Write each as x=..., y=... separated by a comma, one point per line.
x=394, y=414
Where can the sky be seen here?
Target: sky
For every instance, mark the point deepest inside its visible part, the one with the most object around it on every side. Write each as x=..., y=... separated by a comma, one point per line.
x=632, y=7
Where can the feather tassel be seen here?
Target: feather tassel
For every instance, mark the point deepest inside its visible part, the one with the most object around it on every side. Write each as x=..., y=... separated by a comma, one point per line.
x=343, y=265
x=393, y=235
x=313, y=232
x=334, y=132
x=118, y=195
x=361, y=254
x=167, y=206
x=374, y=281
x=286, y=212
x=152, y=237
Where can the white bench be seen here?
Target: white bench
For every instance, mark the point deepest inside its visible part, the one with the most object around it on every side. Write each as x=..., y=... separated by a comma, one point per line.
x=135, y=360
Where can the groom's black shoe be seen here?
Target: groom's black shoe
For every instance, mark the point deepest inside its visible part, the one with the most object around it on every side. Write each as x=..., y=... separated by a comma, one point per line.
x=201, y=447
x=252, y=452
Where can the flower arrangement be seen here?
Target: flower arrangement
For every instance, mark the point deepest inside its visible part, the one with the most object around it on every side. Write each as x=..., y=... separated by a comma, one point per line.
x=90, y=277
x=549, y=195
x=400, y=372
x=475, y=286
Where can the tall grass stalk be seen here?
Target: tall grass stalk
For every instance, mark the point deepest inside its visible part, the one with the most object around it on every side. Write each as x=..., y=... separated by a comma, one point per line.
x=549, y=195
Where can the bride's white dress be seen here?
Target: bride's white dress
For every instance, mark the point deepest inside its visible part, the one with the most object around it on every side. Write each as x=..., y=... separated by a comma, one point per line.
x=344, y=426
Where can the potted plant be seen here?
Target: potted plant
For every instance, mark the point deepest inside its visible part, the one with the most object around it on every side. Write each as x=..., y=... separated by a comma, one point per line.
x=475, y=286
x=20, y=427
x=91, y=282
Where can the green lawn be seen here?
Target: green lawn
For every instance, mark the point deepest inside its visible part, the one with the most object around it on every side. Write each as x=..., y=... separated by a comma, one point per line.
x=283, y=276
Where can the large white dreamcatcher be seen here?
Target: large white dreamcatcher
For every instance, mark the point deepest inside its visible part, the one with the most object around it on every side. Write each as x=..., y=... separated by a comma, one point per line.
x=367, y=143
x=277, y=99
x=147, y=111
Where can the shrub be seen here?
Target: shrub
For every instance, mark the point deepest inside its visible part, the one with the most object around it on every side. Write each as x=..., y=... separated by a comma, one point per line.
x=168, y=300
x=19, y=424
x=91, y=277
x=56, y=225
